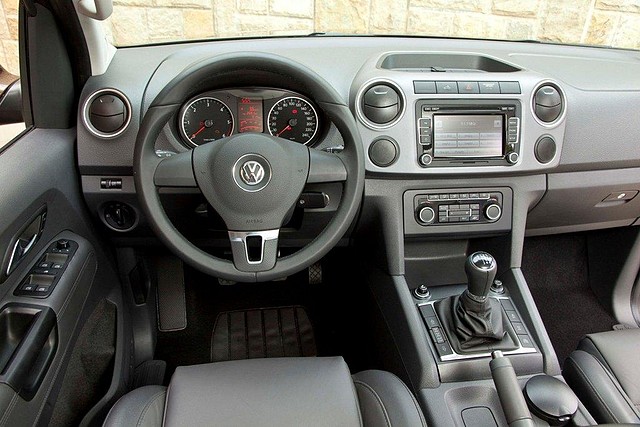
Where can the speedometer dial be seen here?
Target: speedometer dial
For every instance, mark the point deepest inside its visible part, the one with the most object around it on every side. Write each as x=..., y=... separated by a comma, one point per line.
x=294, y=119
x=206, y=119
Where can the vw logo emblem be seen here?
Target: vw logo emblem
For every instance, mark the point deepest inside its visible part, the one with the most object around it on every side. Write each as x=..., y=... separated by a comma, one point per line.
x=252, y=172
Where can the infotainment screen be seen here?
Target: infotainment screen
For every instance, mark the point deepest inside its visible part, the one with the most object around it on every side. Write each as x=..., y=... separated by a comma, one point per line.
x=468, y=135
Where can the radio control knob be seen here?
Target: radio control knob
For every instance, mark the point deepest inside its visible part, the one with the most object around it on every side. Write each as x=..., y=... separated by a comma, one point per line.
x=426, y=215
x=426, y=159
x=513, y=157
x=493, y=212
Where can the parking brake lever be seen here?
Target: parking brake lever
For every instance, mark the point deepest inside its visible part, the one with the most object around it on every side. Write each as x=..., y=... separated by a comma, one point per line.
x=509, y=391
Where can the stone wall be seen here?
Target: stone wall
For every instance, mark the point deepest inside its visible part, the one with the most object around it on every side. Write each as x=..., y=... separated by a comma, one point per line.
x=603, y=22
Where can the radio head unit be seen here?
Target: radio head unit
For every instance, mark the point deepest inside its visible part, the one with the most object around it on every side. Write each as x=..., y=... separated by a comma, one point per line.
x=466, y=132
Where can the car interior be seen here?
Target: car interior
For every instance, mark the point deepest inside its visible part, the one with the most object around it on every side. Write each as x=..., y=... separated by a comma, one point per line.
x=317, y=230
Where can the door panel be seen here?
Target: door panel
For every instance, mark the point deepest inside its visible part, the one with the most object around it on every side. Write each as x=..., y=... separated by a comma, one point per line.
x=38, y=173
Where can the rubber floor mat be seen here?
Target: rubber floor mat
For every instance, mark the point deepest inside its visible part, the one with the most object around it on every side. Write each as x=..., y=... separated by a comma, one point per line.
x=260, y=333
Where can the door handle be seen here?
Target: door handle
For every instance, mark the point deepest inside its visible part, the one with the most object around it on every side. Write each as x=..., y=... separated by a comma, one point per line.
x=26, y=240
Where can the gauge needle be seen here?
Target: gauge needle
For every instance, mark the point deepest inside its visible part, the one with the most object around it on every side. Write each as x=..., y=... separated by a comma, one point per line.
x=203, y=127
x=284, y=130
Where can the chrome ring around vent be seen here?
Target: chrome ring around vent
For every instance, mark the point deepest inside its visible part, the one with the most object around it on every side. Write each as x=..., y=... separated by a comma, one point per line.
x=532, y=104
x=359, y=101
x=85, y=113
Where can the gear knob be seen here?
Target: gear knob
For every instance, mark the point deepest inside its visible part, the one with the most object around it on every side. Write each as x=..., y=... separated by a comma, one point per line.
x=481, y=269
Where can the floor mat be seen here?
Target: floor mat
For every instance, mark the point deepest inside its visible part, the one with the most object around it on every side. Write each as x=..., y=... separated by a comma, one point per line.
x=337, y=309
x=557, y=273
x=259, y=333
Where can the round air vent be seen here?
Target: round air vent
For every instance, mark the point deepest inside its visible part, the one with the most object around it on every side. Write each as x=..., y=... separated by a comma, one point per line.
x=548, y=103
x=107, y=113
x=381, y=104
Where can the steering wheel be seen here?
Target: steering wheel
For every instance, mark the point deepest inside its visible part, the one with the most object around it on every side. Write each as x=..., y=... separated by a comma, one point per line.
x=252, y=180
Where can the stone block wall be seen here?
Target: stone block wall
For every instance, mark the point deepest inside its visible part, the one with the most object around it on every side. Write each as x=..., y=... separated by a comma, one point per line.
x=602, y=22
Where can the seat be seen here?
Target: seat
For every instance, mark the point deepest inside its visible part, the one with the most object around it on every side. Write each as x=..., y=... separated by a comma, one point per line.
x=271, y=392
x=604, y=372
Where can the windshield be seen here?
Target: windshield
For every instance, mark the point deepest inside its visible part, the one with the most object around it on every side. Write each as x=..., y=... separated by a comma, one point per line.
x=593, y=22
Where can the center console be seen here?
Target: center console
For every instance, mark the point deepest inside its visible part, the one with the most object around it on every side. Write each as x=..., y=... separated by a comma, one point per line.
x=466, y=141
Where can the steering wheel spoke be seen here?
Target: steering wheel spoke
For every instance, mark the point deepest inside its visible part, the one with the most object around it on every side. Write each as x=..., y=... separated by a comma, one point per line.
x=254, y=251
x=175, y=171
x=325, y=167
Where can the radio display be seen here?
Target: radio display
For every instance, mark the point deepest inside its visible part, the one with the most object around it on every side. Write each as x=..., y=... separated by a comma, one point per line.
x=466, y=136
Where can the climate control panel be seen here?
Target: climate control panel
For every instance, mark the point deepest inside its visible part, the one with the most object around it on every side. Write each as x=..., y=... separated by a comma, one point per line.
x=463, y=210
x=440, y=208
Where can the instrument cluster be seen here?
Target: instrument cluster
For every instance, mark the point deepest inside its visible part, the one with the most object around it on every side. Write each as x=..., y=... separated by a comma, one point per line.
x=213, y=115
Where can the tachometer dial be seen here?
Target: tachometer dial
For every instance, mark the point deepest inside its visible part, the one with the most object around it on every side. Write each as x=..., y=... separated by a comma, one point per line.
x=294, y=119
x=206, y=119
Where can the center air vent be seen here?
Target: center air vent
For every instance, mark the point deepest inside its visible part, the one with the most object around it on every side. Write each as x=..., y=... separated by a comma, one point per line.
x=381, y=104
x=107, y=113
x=548, y=103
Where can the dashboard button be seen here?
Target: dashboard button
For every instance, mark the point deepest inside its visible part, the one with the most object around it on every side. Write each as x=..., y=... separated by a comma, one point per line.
x=519, y=328
x=525, y=340
x=447, y=87
x=424, y=87
x=424, y=122
x=444, y=349
x=425, y=139
x=489, y=87
x=468, y=87
x=513, y=316
x=509, y=87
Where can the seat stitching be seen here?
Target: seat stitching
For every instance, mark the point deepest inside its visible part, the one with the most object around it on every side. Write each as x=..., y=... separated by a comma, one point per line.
x=593, y=389
x=148, y=405
x=377, y=398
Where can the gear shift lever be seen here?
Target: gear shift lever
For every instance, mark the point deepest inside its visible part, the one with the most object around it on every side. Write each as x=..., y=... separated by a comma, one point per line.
x=481, y=269
x=474, y=319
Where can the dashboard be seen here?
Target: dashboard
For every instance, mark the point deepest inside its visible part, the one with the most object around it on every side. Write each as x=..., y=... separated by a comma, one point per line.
x=550, y=130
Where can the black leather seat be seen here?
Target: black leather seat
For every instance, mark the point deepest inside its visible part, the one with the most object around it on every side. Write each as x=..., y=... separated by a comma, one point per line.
x=271, y=392
x=605, y=374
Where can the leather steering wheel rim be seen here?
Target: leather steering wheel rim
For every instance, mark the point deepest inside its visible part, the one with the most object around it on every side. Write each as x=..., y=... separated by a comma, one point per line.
x=167, y=103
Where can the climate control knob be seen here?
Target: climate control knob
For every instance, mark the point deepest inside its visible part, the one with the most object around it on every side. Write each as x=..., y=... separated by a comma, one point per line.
x=426, y=215
x=493, y=212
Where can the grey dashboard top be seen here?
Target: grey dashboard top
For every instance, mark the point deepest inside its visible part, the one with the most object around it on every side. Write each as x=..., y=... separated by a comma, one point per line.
x=600, y=86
